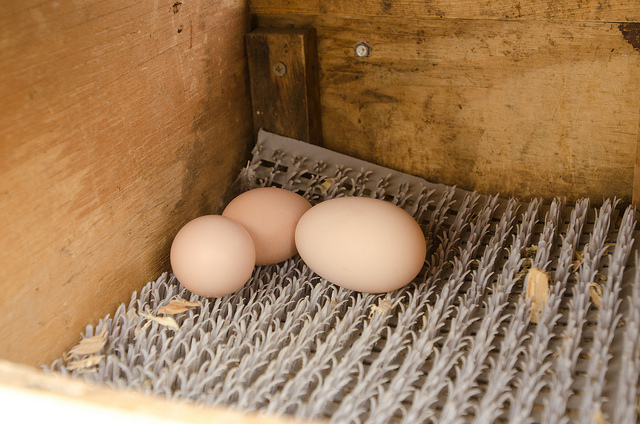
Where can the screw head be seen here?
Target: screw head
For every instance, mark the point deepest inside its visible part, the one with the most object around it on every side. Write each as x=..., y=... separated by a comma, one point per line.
x=279, y=69
x=362, y=49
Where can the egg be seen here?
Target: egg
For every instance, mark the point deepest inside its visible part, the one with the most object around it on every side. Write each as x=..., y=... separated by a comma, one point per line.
x=212, y=256
x=270, y=215
x=363, y=244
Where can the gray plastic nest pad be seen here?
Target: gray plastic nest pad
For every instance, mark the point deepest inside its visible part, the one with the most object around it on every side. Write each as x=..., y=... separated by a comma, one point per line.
x=456, y=345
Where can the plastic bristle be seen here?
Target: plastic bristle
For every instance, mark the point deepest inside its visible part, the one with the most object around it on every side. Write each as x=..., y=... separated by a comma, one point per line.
x=456, y=345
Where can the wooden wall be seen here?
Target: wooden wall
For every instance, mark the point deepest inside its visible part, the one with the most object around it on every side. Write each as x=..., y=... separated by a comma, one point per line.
x=519, y=98
x=119, y=122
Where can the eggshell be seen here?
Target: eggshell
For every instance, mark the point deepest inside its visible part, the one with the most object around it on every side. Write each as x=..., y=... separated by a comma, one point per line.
x=270, y=215
x=362, y=244
x=212, y=256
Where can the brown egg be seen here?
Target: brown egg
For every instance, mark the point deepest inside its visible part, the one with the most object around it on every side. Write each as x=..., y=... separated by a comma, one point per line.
x=270, y=215
x=212, y=256
x=363, y=244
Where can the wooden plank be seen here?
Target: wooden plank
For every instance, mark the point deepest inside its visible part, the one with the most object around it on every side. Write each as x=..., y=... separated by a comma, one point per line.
x=636, y=174
x=285, y=94
x=119, y=122
x=35, y=397
x=574, y=10
x=512, y=107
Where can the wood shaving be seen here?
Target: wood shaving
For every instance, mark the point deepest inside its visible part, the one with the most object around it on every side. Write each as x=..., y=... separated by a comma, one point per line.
x=91, y=370
x=90, y=345
x=131, y=314
x=595, y=291
x=578, y=261
x=177, y=306
x=85, y=363
x=576, y=264
x=246, y=178
x=598, y=418
x=172, y=309
x=531, y=252
x=327, y=184
x=139, y=330
x=538, y=291
x=383, y=307
x=166, y=321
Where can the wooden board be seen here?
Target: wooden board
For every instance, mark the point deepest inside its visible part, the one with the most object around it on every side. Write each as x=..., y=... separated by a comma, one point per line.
x=119, y=122
x=35, y=397
x=521, y=108
x=576, y=10
x=285, y=93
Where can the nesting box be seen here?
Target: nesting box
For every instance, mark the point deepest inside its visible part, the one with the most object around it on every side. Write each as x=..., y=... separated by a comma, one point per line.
x=121, y=121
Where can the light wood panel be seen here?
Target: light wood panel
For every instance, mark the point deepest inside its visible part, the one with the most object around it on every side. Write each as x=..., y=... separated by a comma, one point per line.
x=521, y=108
x=33, y=397
x=119, y=122
x=576, y=10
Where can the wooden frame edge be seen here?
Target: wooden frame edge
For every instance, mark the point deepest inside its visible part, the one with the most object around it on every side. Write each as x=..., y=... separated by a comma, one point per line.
x=34, y=396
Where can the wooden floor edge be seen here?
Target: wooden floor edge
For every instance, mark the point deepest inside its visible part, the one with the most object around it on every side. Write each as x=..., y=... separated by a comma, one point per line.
x=34, y=396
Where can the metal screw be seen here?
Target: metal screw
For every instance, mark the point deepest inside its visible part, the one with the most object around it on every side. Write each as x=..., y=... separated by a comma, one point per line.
x=279, y=69
x=362, y=49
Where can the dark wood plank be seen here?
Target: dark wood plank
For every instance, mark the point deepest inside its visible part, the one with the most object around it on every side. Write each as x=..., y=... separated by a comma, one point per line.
x=285, y=94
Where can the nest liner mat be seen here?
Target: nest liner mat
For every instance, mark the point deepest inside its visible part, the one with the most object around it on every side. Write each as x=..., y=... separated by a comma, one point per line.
x=458, y=344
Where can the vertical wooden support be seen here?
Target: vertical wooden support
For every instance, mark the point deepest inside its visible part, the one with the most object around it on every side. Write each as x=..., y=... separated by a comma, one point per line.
x=285, y=92
x=635, y=199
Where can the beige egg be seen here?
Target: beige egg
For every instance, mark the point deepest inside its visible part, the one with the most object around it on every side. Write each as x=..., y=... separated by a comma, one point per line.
x=212, y=256
x=270, y=215
x=363, y=244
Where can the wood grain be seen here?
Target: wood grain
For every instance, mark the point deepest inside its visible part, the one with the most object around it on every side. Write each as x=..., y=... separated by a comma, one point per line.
x=636, y=175
x=520, y=108
x=287, y=103
x=573, y=10
x=35, y=397
x=119, y=122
